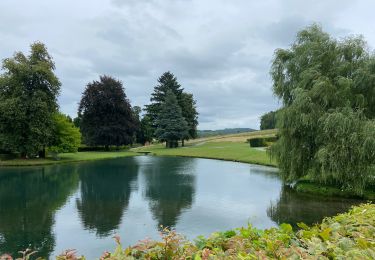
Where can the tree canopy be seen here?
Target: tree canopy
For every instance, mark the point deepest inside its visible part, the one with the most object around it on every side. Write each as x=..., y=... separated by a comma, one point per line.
x=106, y=114
x=168, y=82
x=268, y=120
x=67, y=137
x=326, y=125
x=171, y=125
x=28, y=101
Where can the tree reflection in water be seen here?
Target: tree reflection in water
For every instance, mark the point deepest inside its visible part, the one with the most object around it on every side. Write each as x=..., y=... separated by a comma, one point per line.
x=29, y=198
x=170, y=188
x=293, y=207
x=105, y=192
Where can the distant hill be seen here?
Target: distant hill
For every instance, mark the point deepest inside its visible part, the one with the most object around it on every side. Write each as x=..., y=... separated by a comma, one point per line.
x=226, y=131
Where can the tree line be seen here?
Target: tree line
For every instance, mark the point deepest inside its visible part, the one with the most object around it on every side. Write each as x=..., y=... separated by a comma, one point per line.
x=106, y=117
x=31, y=123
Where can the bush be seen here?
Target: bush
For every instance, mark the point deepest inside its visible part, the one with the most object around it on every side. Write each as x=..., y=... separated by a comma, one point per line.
x=262, y=141
x=101, y=148
x=8, y=156
x=257, y=142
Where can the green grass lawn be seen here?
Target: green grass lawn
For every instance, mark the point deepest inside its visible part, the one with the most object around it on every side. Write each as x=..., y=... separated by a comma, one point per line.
x=68, y=157
x=231, y=151
x=228, y=147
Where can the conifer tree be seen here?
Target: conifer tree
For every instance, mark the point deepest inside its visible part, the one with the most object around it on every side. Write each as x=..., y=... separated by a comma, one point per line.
x=171, y=124
x=168, y=82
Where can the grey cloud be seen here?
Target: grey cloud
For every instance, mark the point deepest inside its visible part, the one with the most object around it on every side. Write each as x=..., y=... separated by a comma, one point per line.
x=219, y=50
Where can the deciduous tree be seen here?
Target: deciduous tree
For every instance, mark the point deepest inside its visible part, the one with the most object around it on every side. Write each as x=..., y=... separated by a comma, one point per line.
x=67, y=137
x=326, y=124
x=106, y=114
x=28, y=101
x=268, y=121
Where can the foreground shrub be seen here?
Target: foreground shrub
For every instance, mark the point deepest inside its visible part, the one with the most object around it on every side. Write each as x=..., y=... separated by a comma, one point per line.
x=349, y=235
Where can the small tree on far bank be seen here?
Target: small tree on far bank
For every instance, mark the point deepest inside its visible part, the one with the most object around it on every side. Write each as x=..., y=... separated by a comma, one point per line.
x=172, y=127
x=268, y=120
x=67, y=137
x=189, y=112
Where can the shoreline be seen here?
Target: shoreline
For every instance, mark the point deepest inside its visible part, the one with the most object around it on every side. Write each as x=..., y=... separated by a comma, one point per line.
x=301, y=186
x=214, y=158
x=66, y=159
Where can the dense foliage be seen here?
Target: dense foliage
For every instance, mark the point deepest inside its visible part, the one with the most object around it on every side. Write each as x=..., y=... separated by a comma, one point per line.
x=262, y=141
x=168, y=82
x=268, y=120
x=171, y=125
x=106, y=117
x=345, y=236
x=28, y=101
x=67, y=138
x=326, y=125
x=146, y=131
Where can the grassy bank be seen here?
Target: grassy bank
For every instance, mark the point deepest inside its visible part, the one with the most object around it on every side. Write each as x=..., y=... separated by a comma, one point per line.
x=229, y=151
x=330, y=191
x=228, y=147
x=68, y=158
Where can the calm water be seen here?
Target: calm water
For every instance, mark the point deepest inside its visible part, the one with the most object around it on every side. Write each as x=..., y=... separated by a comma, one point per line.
x=83, y=205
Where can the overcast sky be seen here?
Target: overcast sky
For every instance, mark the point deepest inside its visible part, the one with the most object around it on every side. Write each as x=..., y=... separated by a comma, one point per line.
x=220, y=50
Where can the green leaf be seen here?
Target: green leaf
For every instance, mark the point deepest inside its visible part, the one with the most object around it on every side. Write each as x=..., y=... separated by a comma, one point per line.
x=325, y=234
x=303, y=226
x=287, y=228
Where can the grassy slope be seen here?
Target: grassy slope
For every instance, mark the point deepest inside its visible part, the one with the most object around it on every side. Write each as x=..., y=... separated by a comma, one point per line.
x=228, y=147
x=68, y=157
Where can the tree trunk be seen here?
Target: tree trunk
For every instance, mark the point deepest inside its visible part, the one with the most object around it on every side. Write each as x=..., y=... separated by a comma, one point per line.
x=23, y=155
x=182, y=142
x=42, y=153
x=106, y=147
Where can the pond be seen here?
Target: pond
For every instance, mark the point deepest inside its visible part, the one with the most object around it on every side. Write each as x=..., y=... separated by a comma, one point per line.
x=83, y=205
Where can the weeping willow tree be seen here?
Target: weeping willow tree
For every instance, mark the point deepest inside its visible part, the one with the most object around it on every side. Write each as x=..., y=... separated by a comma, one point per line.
x=327, y=127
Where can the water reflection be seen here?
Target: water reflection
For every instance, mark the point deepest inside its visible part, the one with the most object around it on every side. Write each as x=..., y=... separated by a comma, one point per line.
x=105, y=192
x=293, y=207
x=134, y=196
x=29, y=199
x=170, y=188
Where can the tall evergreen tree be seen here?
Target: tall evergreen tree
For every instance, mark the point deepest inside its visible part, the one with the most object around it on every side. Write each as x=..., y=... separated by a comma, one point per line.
x=171, y=124
x=106, y=115
x=168, y=82
x=28, y=101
